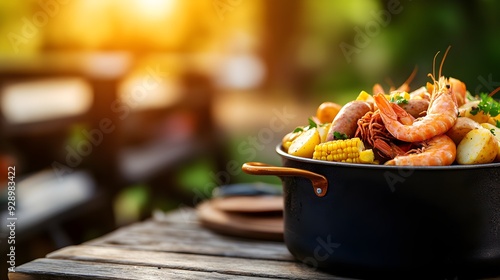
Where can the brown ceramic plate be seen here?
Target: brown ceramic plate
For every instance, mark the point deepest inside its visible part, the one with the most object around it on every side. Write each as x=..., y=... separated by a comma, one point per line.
x=249, y=204
x=266, y=227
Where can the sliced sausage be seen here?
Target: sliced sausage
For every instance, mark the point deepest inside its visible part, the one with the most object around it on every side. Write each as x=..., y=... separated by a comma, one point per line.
x=346, y=120
x=416, y=107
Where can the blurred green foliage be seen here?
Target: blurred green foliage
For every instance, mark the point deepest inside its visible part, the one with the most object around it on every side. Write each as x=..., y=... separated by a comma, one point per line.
x=411, y=38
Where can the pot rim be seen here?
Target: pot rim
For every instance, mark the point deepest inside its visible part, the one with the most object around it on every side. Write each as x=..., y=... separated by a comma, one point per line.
x=282, y=153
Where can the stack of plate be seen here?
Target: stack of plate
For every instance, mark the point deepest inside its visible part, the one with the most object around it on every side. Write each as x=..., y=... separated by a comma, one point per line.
x=258, y=216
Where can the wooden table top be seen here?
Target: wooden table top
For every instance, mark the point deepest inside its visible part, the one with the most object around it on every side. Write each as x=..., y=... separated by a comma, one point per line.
x=169, y=246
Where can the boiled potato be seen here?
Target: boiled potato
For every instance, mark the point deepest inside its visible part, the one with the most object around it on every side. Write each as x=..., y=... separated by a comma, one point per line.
x=286, y=145
x=288, y=138
x=323, y=131
x=461, y=127
x=327, y=111
x=462, y=110
x=465, y=111
x=477, y=147
x=303, y=145
x=496, y=132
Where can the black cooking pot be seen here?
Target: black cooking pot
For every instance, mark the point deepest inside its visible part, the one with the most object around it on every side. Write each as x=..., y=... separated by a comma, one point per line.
x=365, y=220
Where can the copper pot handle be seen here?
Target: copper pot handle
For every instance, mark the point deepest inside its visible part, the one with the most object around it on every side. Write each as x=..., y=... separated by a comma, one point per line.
x=319, y=182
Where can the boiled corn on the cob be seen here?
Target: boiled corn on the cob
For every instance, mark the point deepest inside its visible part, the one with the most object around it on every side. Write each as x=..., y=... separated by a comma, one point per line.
x=348, y=150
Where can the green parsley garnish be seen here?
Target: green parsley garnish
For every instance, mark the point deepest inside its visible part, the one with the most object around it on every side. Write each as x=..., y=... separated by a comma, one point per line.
x=497, y=123
x=312, y=123
x=339, y=136
x=399, y=100
x=493, y=131
x=488, y=105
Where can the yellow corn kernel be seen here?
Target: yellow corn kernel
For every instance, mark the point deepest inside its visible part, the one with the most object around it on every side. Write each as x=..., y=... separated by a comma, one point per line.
x=348, y=150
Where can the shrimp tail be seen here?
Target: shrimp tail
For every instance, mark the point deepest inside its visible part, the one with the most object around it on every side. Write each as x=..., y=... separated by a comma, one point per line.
x=385, y=108
x=403, y=116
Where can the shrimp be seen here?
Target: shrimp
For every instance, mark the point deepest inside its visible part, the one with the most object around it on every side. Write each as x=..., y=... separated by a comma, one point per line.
x=439, y=150
x=440, y=116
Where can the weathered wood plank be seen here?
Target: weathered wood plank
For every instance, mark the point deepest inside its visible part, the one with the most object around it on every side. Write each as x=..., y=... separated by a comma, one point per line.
x=151, y=227
x=205, y=247
x=191, y=262
x=182, y=215
x=160, y=237
x=56, y=269
x=177, y=222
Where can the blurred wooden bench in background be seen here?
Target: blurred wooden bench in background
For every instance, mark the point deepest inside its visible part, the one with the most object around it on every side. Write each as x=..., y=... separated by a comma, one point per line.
x=109, y=151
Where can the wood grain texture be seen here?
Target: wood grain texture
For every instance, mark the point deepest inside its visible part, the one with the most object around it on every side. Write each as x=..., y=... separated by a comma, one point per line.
x=172, y=246
x=190, y=262
x=169, y=247
x=168, y=237
x=58, y=269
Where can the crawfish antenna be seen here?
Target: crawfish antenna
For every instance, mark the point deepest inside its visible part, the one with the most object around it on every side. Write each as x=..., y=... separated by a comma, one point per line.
x=389, y=82
x=412, y=75
x=433, y=75
x=495, y=91
x=442, y=61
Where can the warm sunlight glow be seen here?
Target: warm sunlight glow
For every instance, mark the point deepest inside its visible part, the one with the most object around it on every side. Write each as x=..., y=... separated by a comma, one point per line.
x=41, y=100
x=155, y=8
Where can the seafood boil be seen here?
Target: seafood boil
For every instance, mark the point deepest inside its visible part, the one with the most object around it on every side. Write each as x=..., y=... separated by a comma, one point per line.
x=440, y=123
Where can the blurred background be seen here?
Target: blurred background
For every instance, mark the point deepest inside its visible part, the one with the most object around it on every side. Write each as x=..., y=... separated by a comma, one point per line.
x=111, y=109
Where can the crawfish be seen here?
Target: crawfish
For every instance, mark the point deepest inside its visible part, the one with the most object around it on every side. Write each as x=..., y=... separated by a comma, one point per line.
x=372, y=131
